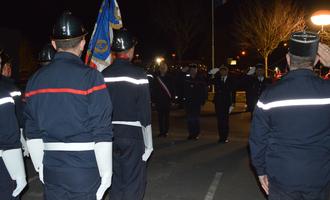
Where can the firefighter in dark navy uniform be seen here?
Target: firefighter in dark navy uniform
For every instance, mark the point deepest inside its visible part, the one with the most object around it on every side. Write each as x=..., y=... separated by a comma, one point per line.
x=15, y=92
x=290, y=134
x=12, y=171
x=46, y=54
x=68, y=120
x=195, y=95
x=129, y=90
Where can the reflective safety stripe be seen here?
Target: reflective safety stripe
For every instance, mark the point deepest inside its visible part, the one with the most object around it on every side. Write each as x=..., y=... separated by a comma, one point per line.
x=59, y=146
x=293, y=102
x=137, y=123
x=66, y=90
x=15, y=94
x=6, y=100
x=126, y=79
x=1, y=152
x=149, y=75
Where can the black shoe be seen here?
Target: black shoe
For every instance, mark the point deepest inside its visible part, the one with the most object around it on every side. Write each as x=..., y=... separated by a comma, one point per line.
x=221, y=141
x=191, y=137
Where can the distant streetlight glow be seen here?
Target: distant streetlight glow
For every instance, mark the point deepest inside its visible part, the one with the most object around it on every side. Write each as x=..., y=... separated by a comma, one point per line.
x=321, y=18
x=159, y=60
x=243, y=53
x=285, y=44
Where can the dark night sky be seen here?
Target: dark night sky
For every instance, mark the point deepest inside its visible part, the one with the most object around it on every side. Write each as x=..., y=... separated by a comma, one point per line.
x=34, y=20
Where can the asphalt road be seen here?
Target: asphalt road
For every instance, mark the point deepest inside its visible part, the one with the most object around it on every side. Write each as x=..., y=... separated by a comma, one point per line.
x=193, y=170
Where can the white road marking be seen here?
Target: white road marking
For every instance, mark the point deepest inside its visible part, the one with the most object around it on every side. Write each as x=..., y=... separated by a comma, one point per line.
x=214, y=186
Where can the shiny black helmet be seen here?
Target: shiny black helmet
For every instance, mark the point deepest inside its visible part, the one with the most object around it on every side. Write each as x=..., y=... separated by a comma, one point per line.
x=122, y=41
x=68, y=27
x=46, y=54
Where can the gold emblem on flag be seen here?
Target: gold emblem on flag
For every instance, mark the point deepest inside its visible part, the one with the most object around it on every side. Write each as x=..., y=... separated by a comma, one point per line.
x=101, y=46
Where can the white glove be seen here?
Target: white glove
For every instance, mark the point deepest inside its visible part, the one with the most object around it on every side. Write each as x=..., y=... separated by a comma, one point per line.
x=24, y=145
x=251, y=71
x=103, y=154
x=13, y=160
x=147, y=138
x=214, y=71
x=36, y=149
x=231, y=108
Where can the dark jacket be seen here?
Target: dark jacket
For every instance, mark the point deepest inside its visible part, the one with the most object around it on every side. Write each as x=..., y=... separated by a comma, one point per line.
x=225, y=92
x=254, y=88
x=9, y=130
x=67, y=101
x=290, y=134
x=162, y=96
x=9, y=84
x=128, y=86
x=195, y=91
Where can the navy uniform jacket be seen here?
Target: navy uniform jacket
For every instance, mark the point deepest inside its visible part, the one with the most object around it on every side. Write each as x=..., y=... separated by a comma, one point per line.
x=17, y=96
x=129, y=90
x=290, y=135
x=9, y=130
x=195, y=91
x=68, y=102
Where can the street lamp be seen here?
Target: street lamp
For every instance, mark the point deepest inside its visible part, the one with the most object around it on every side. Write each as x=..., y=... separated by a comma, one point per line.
x=159, y=60
x=321, y=18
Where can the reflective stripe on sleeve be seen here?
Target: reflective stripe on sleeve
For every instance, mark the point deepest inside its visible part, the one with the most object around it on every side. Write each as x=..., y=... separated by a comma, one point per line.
x=15, y=94
x=126, y=79
x=293, y=102
x=6, y=100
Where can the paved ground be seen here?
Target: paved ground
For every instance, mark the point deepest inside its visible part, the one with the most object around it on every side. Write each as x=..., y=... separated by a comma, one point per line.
x=193, y=170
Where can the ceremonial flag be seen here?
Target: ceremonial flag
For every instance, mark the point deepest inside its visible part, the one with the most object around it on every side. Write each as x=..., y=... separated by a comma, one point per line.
x=99, y=49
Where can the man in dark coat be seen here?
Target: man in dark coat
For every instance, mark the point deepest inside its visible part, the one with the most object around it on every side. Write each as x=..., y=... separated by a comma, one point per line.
x=162, y=94
x=224, y=100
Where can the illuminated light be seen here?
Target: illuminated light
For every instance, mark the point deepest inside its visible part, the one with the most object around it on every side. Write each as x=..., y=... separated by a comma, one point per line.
x=233, y=62
x=243, y=53
x=285, y=44
x=321, y=18
x=159, y=60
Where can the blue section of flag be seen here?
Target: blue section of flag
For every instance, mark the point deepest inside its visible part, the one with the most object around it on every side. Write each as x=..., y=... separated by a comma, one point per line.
x=100, y=43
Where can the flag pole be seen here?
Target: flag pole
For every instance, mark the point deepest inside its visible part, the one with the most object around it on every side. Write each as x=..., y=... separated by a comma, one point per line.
x=213, y=44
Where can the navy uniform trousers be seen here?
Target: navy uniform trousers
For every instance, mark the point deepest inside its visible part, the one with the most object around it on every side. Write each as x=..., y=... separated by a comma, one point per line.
x=7, y=186
x=276, y=193
x=76, y=182
x=129, y=170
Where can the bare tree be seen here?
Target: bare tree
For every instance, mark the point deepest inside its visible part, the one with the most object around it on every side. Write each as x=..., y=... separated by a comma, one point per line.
x=263, y=25
x=182, y=20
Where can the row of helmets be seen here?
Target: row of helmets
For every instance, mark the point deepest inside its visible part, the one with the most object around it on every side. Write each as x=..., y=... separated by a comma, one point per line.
x=69, y=27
